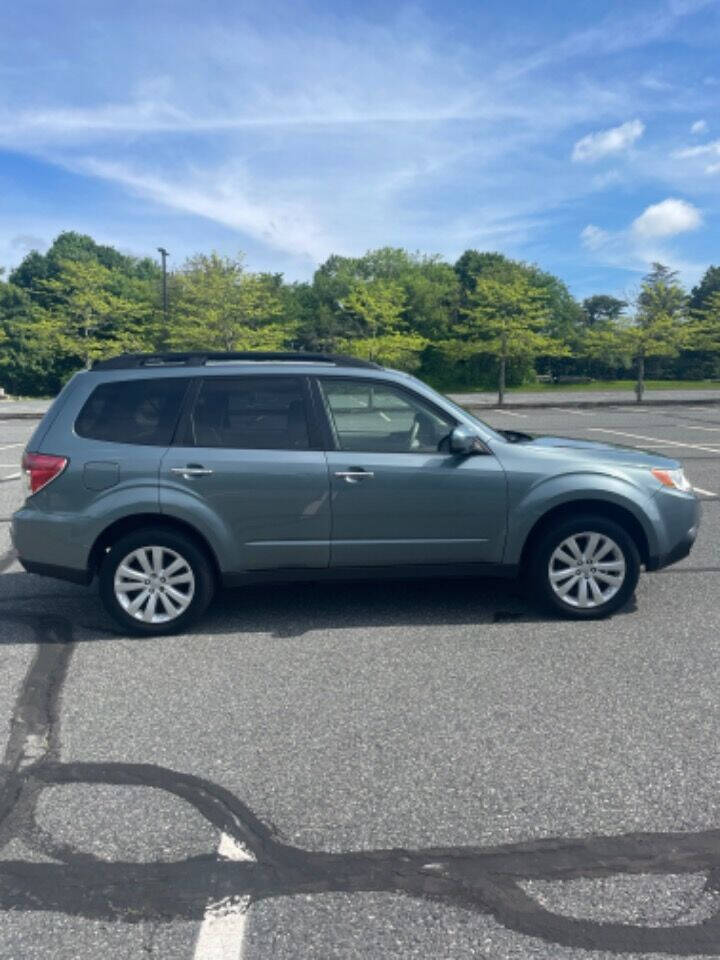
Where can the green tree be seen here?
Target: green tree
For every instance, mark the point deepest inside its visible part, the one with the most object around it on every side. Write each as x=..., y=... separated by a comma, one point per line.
x=657, y=327
x=432, y=296
x=84, y=318
x=377, y=308
x=28, y=364
x=430, y=300
x=564, y=314
x=610, y=344
x=702, y=332
x=78, y=247
x=701, y=293
x=601, y=310
x=601, y=344
x=474, y=264
x=507, y=318
x=218, y=305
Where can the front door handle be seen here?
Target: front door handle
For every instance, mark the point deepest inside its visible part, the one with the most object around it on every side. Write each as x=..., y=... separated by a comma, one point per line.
x=352, y=476
x=191, y=471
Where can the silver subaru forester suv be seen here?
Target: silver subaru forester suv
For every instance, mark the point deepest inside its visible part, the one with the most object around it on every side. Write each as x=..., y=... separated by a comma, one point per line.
x=167, y=475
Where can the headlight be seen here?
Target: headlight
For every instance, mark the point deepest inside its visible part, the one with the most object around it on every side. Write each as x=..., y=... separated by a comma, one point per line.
x=672, y=478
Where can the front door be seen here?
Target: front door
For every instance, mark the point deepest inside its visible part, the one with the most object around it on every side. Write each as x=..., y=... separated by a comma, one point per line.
x=245, y=466
x=398, y=495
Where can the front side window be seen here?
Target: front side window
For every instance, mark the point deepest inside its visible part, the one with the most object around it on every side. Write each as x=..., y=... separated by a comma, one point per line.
x=376, y=417
x=250, y=413
x=133, y=411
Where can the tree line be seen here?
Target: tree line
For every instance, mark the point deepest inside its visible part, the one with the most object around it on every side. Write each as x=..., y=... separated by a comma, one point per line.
x=485, y=321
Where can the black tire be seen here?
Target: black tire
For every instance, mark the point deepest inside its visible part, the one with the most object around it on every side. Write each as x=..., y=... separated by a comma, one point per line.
x=538, y=570
x=194, y=556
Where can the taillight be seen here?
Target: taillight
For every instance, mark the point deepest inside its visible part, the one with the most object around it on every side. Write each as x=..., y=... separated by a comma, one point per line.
x=40, y=468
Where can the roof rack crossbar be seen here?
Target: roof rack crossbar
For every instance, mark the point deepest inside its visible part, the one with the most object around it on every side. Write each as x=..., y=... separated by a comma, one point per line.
x=128, y=361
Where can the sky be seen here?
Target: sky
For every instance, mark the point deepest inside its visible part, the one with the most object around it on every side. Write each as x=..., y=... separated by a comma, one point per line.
x=580, y=135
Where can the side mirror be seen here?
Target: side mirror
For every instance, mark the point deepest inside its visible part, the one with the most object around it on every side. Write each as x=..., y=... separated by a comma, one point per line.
x=465, y=442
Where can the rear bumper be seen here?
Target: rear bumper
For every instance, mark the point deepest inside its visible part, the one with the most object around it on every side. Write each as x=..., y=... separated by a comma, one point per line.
x=59, y=573
x=46, y=546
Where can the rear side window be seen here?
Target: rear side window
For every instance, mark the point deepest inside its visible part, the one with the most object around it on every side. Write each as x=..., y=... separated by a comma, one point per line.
x=133, y=411
x=250, y=413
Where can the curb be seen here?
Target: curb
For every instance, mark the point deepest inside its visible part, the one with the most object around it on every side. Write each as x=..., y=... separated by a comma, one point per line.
x=22, y=416
x=529, y=405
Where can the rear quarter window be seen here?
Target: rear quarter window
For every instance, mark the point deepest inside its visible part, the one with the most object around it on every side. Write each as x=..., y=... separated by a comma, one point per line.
x=133, y=411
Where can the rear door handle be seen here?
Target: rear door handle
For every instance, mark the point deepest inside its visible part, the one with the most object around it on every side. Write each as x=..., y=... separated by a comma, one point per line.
x=352, y=476
x=191, y=471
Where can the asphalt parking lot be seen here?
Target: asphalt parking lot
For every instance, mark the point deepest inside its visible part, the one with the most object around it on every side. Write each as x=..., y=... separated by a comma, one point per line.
x=409, y=770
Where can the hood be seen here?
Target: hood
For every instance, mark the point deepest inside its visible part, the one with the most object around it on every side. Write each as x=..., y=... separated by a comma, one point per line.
x=592, y=450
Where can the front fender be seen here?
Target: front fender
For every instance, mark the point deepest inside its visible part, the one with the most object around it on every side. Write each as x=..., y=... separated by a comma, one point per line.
x=529, y=506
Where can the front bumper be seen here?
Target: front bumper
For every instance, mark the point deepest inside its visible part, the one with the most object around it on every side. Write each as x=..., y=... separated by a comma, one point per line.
x=680, y=518
x=678, y=552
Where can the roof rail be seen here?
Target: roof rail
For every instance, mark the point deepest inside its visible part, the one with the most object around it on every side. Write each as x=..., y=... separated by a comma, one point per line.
x=127, y=361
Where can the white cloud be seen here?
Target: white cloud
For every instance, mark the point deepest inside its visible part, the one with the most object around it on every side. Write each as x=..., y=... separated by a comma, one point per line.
x=706, y=151
x=700, y=126
x=667, y=218
x=613, y=34
x=344, y=133
x=610, y=178
x=642, y=243
x=597, y=145
x=711, y=149
x=593, y=238
x=651, y=82
x=286, y=225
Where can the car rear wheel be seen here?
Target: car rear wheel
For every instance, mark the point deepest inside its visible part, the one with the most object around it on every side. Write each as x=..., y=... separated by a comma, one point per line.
x=586, y=567
x=155, y=581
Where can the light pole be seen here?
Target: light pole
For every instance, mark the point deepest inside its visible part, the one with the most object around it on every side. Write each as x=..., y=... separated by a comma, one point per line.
x=164, y=254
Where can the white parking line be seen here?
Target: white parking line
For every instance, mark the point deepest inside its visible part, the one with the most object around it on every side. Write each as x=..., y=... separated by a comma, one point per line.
x=8, y=446
x=575, y=413
x=669, y=443
x=12, y=476
x=509, y=413
x=222, y=932
x=713, y=429
x=707, y=493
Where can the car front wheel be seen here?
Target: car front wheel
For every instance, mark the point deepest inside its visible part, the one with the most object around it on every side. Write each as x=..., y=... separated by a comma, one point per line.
x=585, y=568
x=155, y=581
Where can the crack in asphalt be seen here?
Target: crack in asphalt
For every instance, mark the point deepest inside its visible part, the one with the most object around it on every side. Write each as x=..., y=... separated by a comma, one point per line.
x=483, y=879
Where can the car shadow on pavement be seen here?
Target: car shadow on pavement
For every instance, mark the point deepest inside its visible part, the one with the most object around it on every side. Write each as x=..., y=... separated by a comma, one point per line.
x=294, y=609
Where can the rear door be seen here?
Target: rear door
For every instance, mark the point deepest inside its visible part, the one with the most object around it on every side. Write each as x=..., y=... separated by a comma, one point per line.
x=398, y=495
x=247, y=458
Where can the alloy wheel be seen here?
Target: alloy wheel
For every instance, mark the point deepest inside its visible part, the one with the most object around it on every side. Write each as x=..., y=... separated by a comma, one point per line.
x=586, y=570
x=154, y=584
